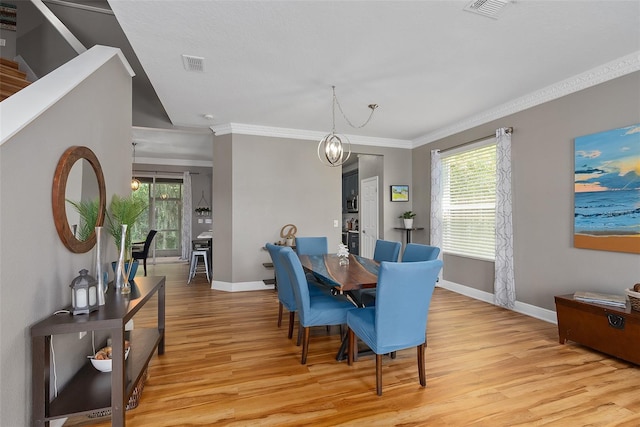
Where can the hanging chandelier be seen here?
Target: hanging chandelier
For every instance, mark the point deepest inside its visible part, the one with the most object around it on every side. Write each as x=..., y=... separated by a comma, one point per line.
x=334, y=149
x=135, y=183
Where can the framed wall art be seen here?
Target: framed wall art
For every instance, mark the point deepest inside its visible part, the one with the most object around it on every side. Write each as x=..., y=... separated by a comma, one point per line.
x=607, y=190
x=399, y=193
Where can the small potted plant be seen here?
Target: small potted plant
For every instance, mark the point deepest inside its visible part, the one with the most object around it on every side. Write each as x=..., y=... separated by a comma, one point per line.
x=407, y=217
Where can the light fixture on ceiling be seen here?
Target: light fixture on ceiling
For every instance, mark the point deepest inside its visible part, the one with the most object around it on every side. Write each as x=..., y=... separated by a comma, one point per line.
x=489, y=8
x=135, y=183
x=335, y=148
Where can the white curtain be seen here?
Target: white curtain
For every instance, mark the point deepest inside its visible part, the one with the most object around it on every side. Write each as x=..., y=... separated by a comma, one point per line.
x=435, y=238
x=187, y=203
x=504, y=286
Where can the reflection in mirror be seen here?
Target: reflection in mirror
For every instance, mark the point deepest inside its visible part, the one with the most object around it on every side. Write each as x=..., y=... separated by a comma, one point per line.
x=82, y=195
x=78, y=177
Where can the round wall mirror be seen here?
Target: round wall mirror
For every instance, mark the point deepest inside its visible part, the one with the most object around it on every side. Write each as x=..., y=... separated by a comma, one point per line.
x=78, y=176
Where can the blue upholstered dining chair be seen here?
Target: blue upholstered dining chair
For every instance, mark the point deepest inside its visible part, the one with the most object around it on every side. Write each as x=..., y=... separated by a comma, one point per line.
x=286, y=296
x=416, y=252
x=312, y=246
x=386, y=251
x=313, y=310
x=399, y=318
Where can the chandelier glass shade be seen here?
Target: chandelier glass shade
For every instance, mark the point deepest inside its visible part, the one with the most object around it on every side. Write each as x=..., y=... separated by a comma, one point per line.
x=334, y=150
x=135, y=183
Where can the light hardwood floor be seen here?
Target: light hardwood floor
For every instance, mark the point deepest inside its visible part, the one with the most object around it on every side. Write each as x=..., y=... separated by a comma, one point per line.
x=226, y=363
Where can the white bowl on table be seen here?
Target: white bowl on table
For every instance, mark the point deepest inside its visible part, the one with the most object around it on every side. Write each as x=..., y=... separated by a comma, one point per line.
x=105, y=364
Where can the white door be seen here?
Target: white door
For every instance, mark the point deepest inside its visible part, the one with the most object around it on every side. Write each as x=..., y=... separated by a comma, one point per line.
x=368, y=216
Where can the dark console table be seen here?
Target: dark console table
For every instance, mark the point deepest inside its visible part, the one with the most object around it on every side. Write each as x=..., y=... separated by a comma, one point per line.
x=611, y=330
x=408, y=231
x=90, y=390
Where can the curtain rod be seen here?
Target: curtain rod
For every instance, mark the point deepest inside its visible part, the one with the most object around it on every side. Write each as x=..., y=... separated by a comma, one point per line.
x=508, y=130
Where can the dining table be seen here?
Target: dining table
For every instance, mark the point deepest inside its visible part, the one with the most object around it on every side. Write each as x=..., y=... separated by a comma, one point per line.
x=343, y=279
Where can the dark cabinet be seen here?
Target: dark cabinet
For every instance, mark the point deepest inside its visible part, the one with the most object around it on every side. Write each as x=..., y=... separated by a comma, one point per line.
x=353, y=242
x=349, y=189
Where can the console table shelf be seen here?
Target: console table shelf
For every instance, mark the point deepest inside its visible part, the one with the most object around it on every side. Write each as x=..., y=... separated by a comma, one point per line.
x=90, y=390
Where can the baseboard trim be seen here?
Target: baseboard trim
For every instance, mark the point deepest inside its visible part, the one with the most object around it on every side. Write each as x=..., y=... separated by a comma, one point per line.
x=240, y=286
x=523, y=308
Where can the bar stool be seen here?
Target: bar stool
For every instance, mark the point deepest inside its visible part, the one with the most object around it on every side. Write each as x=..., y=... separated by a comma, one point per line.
x=193, y=269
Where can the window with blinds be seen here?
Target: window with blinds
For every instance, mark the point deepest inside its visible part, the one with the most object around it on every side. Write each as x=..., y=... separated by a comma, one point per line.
x=469, y=201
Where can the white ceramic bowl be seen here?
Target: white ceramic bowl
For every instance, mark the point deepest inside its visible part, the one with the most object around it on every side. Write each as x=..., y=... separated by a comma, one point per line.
x=105, y=365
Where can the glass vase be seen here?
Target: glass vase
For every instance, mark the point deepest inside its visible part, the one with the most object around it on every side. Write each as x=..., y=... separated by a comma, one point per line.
x=121, y=277
x=101, y=273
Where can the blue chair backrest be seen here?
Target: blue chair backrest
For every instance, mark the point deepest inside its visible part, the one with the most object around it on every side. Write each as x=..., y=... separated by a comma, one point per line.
x=386, y=251
x=403, y=296
x=283, y=283
x=414, y=252
x=298, y=282
x=312, y=246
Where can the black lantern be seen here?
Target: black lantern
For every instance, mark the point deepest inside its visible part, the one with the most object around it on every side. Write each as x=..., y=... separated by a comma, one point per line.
x=84, y=294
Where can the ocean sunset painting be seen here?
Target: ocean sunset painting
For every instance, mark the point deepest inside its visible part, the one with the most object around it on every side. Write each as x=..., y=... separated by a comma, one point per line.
x=607, y=190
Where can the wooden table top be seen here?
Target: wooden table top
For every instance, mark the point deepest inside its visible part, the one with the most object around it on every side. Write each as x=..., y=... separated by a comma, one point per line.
x=358, y=274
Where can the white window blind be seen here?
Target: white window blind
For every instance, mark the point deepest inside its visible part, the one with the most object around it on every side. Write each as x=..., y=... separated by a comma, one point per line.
x=469, y=202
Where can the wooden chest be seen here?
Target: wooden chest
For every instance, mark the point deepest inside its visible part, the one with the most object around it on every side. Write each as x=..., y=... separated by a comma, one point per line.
x=611, y=330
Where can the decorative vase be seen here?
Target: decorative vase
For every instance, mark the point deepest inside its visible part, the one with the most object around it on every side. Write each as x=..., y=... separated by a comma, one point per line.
x=408, y=222
x=130, y=266
x=121, y=278
x=343, y=254
x=101, y=273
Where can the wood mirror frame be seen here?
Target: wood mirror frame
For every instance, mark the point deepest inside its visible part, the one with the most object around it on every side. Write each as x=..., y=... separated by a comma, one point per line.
x=58, y=197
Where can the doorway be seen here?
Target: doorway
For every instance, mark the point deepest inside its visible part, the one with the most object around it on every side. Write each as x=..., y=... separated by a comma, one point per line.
x=369, y=216
x=164, y=214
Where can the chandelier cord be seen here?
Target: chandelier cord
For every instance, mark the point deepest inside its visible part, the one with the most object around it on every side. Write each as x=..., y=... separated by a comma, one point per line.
x=335, y=99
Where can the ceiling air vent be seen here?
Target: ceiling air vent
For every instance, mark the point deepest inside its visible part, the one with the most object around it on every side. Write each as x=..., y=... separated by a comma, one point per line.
x=193, y=63
x=490, y=8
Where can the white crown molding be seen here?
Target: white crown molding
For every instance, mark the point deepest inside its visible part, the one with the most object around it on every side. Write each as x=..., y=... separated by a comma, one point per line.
x=174, y=162
x=609, y=71
x=275, y=132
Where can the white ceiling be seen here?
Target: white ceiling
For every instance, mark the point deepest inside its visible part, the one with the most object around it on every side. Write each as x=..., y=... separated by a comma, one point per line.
x=433, y=68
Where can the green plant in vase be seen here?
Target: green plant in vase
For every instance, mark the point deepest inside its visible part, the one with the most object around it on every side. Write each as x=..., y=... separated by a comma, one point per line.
x=124, y=211
x=407, y=217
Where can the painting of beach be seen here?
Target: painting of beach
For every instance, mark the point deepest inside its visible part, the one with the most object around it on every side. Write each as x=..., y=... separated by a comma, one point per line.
x=607, y=190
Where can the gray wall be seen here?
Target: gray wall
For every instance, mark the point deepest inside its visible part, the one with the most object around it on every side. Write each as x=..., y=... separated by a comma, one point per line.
x=267, y=183
x=546, y=263
x=262, y=183
x=396, y=170
x=35, y=268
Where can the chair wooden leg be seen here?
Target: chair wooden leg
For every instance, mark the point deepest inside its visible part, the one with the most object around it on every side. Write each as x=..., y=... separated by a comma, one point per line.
x=299, y=334
x=421, y=373
x=305, y=346
x=379, y=374
x=351, y=336
x=280, y=306
x=292, y=318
